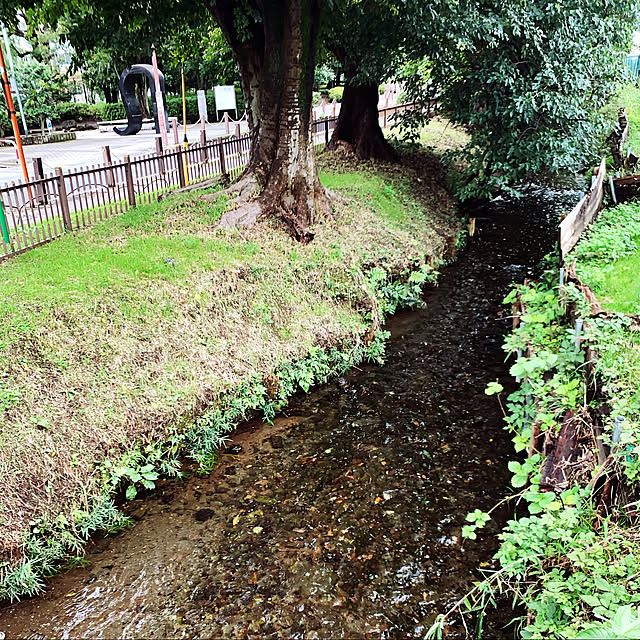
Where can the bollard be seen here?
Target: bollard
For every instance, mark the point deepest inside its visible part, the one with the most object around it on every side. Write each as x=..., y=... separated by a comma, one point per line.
x=160, y=155
x=174, y=125
x=38, y=174
x=203, y=144
x=106, y=158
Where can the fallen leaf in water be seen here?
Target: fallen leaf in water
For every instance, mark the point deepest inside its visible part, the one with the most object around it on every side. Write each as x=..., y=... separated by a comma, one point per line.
x=382, y=462
x=378, y=499
x=253, y=579
x=257, y=529
x=70, y=595
x=236, y=520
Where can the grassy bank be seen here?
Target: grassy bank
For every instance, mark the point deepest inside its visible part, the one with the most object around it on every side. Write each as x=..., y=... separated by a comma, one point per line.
x=146, y=338
x=608, y=258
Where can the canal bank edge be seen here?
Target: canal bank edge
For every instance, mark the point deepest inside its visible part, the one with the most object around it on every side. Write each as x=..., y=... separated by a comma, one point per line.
x=135, y=360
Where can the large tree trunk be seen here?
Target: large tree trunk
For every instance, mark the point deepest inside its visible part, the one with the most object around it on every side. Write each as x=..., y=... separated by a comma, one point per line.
x=358, y=125
x=276, y=56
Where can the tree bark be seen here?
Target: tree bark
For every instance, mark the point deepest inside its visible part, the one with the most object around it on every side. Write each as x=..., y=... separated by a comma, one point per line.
x=275, y=56
x=358, y=125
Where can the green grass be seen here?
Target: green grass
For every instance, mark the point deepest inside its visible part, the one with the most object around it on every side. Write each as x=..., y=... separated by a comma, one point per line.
x=147, y=335
x=388, y=200
x=608, y=257
x=630, y=98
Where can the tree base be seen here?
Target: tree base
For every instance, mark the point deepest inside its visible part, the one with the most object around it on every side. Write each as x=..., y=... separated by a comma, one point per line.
x=358, y=128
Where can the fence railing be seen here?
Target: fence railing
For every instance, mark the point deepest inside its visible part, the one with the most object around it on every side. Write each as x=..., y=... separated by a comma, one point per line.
x=572, y=227
x=35, y=212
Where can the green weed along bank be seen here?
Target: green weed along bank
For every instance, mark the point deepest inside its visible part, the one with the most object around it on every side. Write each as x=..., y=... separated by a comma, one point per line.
x=124, y=346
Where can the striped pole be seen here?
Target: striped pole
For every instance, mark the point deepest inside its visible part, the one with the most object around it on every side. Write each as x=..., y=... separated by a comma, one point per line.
x=162, y=123
x=12, y=114
x=184, y=119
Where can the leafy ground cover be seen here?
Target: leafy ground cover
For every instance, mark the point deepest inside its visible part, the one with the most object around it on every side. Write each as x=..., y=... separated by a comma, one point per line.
x=570, y=554
x=129, y=345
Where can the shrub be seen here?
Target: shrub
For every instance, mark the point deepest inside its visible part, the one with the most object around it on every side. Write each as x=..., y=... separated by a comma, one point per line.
x=382, y=88
x=77, y=111
x=112, y=111
x=336, y=93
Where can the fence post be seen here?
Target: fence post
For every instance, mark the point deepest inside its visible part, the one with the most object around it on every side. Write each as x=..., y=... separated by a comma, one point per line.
x=160, y=155
x=64, y=202
x=326, y=132
x=128, y=172
x=223, y=168
x=384, y=119
x=226, y=122
x=203, y=143
x=237, y=129
x=106, y=157
x=181, y=176
x=38, y=174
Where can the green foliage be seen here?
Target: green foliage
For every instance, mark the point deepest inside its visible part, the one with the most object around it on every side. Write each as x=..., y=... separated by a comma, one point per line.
x=527, y=79
x=112, y=111
x=564, y=562
x=478, y=519
x=625, y=624
x=336, y=93
x=608, y=258
x=50, y=543
x=77, y=111
x=323, y=76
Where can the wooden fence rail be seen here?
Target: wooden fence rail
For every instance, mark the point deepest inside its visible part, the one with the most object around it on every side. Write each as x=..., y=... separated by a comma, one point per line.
x=33, y=213
x=578, y=220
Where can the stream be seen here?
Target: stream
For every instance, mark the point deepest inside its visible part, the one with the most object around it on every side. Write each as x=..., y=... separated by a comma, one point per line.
x=341, y=519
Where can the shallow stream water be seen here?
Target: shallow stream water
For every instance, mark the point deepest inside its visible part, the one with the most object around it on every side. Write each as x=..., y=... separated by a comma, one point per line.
x=342, y=519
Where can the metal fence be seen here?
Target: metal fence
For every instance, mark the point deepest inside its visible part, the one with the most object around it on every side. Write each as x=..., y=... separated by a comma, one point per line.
x=33, y=213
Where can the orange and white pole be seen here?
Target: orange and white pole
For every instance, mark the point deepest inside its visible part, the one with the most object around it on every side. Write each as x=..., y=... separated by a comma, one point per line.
x=162, y=123
x=12, y=114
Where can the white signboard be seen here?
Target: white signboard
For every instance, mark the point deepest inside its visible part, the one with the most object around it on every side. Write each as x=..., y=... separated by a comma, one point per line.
x=225, y=98
x=202, y=105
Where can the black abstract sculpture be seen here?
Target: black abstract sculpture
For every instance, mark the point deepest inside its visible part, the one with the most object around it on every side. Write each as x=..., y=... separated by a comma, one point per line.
x=131, y=102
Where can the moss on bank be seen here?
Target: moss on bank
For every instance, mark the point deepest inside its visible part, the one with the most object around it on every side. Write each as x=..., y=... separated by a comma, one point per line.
x=147, y=337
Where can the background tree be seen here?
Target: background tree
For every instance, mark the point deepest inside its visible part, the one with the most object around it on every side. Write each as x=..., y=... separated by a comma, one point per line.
x=366, y=38
x=527, y=79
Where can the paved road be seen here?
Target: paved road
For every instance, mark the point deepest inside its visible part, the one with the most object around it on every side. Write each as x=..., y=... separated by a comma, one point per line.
x=86, y=150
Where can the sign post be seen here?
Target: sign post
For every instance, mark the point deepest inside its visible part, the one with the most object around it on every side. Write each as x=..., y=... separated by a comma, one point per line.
x=202, y=106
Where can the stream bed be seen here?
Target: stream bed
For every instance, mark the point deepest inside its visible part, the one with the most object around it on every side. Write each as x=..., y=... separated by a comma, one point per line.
x=342, y=519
